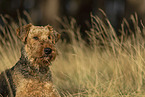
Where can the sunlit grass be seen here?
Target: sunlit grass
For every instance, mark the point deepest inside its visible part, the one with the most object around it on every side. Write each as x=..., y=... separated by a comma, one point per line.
x=110, y=66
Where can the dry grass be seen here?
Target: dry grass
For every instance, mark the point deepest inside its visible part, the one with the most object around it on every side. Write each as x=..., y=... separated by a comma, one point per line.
x=110, y=66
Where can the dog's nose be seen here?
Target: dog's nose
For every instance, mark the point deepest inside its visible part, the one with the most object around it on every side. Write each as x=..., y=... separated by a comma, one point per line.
x=47, y=50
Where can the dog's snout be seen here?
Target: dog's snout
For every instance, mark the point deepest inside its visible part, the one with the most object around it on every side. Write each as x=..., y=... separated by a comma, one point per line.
x=47, y=51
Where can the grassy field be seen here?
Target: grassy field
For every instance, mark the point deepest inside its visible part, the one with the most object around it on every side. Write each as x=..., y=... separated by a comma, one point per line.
x=110, y=67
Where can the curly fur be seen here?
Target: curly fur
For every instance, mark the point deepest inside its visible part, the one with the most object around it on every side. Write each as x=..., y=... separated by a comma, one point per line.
x=31, y=75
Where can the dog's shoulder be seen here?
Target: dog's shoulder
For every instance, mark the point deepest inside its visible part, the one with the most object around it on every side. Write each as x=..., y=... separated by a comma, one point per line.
x=7, y=87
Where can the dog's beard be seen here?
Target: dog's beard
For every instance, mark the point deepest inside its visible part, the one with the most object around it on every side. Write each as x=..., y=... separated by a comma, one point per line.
x=45, y=59
x=41, y=58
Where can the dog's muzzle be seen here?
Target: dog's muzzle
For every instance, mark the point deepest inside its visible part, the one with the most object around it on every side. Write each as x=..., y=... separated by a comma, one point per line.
x=47, y=51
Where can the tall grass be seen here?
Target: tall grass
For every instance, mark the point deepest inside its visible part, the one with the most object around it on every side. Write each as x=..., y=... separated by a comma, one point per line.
x=110, y=66
x=10, y=45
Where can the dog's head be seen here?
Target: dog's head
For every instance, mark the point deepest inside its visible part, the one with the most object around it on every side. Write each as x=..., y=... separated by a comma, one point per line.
x=39, y=42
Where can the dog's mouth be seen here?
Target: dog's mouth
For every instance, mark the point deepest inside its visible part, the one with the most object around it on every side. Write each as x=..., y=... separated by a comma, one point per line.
x=46, y=59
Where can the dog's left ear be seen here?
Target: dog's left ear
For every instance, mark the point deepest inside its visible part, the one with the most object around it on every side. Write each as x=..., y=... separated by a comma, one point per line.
x=56, y=35
x=23, y=31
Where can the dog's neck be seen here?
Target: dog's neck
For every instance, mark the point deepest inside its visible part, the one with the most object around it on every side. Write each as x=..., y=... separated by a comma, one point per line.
x=33, y=70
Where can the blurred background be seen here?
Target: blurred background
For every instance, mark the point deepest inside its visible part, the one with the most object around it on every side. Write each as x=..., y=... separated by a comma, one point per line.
x=111, y=65
x=45, y=12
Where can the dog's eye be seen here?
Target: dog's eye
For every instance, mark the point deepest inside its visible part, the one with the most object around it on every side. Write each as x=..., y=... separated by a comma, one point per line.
x=49, y=37
x=36, y=38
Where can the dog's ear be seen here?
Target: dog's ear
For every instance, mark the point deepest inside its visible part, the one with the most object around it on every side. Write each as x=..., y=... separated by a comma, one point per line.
x=23, y=31
x=56, y=35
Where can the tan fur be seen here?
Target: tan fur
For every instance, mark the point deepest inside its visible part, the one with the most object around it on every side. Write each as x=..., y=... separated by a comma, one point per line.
x=32, y=87
x=31, y=76
x=34, y=48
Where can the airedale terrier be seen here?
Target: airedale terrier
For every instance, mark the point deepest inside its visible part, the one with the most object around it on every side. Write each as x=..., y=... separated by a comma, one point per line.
x=31, y=76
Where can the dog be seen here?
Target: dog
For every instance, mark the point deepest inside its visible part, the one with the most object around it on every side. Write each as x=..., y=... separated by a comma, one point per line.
x=31, y=75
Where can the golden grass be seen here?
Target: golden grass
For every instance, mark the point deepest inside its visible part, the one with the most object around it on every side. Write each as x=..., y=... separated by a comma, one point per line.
x=110, y=66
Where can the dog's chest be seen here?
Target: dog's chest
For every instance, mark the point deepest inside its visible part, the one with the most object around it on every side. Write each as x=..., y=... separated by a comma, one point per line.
x=32, y=87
